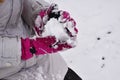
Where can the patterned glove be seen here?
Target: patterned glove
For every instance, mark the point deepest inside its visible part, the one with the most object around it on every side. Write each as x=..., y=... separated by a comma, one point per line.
x=41, y=46
x=49, y=44
x=43, y=17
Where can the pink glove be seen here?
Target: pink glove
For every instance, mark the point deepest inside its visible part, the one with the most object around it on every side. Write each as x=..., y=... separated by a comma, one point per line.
x=69, y=23
x=26, y=46
x=41, y=46
x=49, y=44
x=38, y=46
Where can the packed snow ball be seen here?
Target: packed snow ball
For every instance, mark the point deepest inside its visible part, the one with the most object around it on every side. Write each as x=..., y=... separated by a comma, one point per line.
x=55, y=28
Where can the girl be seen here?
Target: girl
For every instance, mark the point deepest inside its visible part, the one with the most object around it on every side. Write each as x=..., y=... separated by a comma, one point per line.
x=20, y=58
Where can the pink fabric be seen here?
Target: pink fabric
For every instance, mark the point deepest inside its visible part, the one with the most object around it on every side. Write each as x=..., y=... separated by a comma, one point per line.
x=42, y=46
x=26, y=54
x=46, y=11
x=42, y=13
x=73, y=21
x=66, y=15
x=45, y=45
x=74, y=25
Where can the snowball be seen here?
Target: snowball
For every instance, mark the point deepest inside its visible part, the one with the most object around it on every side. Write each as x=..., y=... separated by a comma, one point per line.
x=54, y=28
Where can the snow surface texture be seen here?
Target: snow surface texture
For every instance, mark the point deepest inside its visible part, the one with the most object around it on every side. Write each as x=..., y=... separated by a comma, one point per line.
x=97, y=55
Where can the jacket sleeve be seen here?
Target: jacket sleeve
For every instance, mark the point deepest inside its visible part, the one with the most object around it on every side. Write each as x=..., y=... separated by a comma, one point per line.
x=30, y=10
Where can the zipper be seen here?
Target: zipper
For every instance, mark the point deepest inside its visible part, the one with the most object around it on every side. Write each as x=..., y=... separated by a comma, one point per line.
x=10, y=14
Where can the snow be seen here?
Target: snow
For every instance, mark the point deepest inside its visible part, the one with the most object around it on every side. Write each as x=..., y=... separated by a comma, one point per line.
x=55, y=28
x=97, y=55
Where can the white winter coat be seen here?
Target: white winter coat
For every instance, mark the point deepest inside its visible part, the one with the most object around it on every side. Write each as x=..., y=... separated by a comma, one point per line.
x=16, y=21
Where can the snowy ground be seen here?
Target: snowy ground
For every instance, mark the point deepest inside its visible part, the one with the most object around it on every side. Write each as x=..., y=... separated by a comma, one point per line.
x=97, y=55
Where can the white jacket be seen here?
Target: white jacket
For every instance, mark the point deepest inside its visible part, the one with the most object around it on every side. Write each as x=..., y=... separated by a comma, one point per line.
x=16, y=21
